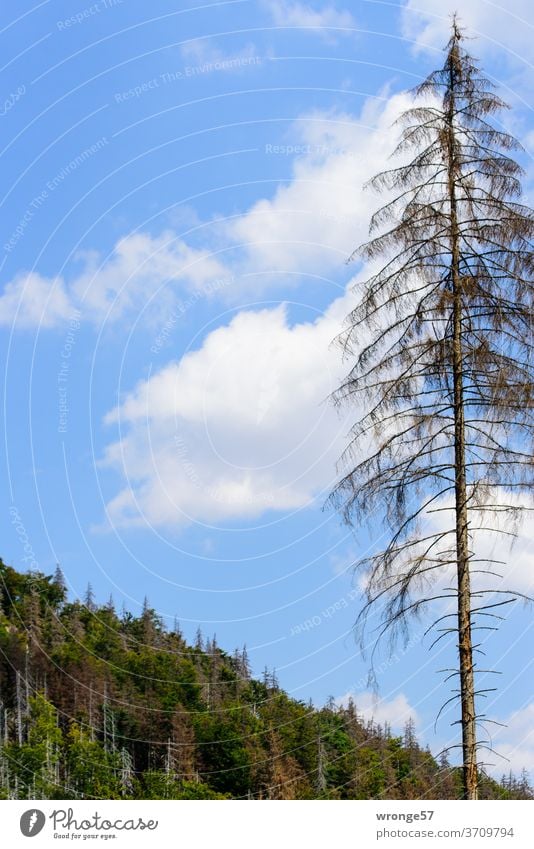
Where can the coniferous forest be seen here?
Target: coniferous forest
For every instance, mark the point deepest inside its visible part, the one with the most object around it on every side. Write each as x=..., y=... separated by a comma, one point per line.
x=97, y=704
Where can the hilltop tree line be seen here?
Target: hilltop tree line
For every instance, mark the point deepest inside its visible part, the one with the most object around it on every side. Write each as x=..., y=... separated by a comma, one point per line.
x=97, y=705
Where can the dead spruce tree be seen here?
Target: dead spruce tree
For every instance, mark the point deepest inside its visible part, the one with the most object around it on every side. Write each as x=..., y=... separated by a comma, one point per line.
x=440, y=345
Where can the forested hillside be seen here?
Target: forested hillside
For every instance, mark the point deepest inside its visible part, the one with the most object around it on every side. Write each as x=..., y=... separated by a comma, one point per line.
x=96, y=704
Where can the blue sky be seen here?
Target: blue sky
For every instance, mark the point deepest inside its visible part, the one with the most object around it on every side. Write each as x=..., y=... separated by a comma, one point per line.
x=181, y=187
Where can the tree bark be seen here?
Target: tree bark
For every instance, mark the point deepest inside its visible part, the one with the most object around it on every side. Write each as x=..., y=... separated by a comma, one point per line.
x=465, y=645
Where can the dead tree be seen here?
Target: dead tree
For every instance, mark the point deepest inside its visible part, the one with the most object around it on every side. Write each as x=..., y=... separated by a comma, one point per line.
x=440, y=347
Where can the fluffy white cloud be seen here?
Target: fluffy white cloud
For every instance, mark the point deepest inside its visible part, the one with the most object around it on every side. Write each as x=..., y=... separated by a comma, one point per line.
x=242, y=425
x=30, y=300
x=310, y=225
x=139, y=268
x=396, y=711
x=327, y=20
x=314, y=222
x=239, y=427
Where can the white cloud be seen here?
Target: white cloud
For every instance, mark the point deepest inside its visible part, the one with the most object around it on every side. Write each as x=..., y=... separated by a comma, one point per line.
x=30, y=300
x=327, y=20
x=227, y=402
x=140, y=267
x=314, y=222
x=239, y=427
x=310, y=226
x=125, y=282
x=396, y=711
x=209, y=438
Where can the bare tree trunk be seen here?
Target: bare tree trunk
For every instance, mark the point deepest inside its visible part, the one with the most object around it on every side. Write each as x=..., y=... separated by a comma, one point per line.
x=465, y=645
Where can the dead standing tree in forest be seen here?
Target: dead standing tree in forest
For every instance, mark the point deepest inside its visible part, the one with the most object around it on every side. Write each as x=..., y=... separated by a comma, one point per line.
x=445, y=371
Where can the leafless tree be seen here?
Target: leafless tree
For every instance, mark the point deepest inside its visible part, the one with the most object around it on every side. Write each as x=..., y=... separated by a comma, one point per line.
x=440, y=347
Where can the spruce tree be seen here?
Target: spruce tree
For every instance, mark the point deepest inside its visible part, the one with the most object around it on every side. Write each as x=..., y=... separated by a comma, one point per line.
x=441, y=347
